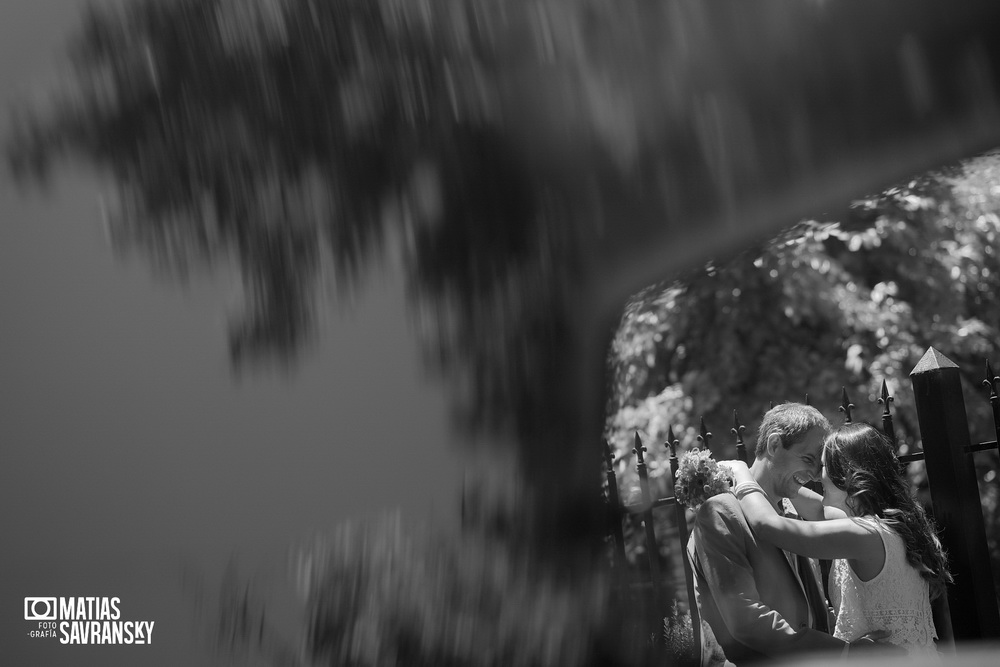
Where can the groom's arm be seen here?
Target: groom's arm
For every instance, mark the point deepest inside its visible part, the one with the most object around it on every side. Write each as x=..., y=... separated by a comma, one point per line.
x=722, y=557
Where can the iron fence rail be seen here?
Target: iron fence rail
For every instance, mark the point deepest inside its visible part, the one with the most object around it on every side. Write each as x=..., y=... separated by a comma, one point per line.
x=654, y=583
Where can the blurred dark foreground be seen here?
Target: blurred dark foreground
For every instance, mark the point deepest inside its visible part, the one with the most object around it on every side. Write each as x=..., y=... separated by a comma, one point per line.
x=977, y=653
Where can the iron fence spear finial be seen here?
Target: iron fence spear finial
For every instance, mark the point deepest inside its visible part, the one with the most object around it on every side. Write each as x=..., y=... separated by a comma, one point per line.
x=884, y=400
x=609, y=457
x=638, y=449
x=846, y=406
x=672, y=442
x=991, y=380
x=705, y=435
x=652, y=547
x=737, y=430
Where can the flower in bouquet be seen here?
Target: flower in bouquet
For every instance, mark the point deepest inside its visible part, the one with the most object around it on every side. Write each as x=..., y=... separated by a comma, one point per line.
x=699, y=477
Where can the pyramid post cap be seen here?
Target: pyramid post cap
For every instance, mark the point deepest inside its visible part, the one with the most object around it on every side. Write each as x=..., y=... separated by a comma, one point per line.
x=932, y=360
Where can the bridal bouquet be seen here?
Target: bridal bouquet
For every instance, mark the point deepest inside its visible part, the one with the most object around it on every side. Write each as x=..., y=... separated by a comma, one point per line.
x=699, y=477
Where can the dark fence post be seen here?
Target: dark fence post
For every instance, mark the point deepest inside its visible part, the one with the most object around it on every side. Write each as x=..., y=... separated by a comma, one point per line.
x=614, y=509
x=652, y=550
x=944, y=430
x=990, y=383
x=682, y=532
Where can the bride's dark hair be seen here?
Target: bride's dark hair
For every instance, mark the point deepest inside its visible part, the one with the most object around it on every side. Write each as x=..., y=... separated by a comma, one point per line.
x=862, y=461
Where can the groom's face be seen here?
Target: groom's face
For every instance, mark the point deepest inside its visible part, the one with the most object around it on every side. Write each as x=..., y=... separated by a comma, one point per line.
x=797, y=465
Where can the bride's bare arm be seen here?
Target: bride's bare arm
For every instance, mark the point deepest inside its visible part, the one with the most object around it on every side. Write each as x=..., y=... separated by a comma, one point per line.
x=809, y=506
x=835, y=538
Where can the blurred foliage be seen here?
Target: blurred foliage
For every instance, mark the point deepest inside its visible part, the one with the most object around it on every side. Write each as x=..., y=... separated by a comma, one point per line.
x=301, y=139
x=379, y=594
x=385, y=590
x=305, y=141
x=243, y=617
x=678, y=637
x=825, y=305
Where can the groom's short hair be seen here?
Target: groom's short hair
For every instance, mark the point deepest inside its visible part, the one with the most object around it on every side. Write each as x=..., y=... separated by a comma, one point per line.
x=792, y=421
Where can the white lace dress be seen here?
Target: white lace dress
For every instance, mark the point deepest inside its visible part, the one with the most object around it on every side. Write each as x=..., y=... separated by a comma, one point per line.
x=896, y=599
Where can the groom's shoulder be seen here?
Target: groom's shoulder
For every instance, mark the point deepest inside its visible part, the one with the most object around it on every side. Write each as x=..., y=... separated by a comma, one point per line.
x=721, y=501
x=723, y=506
x=718, y=518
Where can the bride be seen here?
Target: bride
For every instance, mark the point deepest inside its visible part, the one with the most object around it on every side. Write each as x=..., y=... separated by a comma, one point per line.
x=888, y=563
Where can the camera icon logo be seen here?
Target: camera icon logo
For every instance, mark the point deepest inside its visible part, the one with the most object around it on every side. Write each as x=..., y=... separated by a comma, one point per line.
x=40, y=609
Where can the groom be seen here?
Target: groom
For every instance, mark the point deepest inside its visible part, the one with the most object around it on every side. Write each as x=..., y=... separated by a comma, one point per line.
x=760, y=601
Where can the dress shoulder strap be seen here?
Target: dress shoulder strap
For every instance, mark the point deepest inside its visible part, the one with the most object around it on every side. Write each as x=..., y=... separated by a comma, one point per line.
x=873, y=522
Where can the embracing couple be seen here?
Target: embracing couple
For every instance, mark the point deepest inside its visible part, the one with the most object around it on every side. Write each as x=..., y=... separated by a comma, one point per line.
x=754, y=550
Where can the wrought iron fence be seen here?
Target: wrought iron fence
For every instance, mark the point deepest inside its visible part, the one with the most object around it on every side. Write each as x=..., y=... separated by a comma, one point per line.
x=955, y=500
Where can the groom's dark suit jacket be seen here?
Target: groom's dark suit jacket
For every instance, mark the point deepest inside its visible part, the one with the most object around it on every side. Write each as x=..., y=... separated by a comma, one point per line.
x=747, y=590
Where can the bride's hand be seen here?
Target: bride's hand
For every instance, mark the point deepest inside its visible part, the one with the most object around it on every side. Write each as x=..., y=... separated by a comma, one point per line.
x=738, y=469
x=876, y=640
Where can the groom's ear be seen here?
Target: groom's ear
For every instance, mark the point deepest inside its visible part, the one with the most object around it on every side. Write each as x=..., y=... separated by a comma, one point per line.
x=773, y=443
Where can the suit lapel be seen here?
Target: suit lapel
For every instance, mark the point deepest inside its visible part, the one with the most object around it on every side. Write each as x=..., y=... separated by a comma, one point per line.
x=802, y=572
